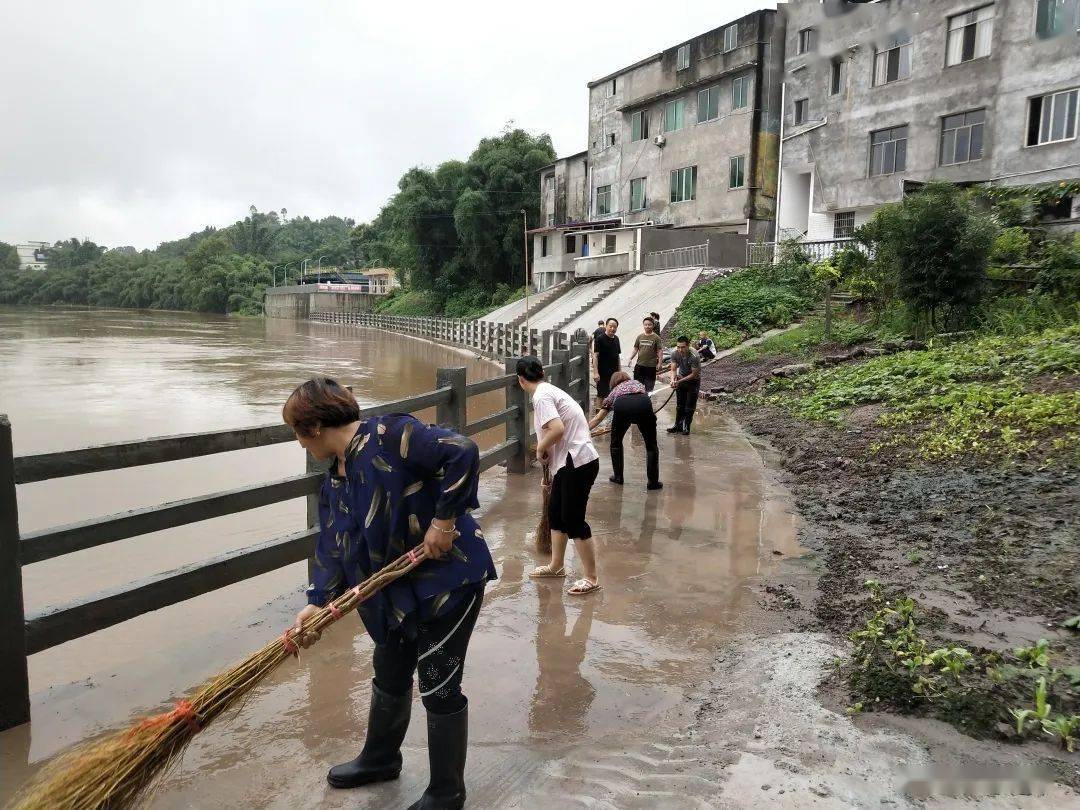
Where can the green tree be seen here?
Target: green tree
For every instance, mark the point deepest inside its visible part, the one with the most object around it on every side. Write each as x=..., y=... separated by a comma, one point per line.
x=935, y=243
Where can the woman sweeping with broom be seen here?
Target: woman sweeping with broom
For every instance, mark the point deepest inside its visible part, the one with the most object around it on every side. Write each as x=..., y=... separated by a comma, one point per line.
x=396, y=484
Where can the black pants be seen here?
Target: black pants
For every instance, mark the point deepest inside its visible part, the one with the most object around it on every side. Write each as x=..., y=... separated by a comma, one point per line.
x=570, y=498
x=635, y=409
x=686, y=395
x=436, y=654
x=646, y=375
x=603, y=385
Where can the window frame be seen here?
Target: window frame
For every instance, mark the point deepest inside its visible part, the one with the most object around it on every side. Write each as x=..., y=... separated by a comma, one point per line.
x=641, y=181
x=1075, y=23
x=737, y=170
x=712, y=101
x=642, y=116
x=800, y=104
x=675, y=104
x=836, y=76
x=744, y=82
x=677, y=184
x=805, y=45
x=836, y=225
x=949, y=32
x=970, y=128
x=612, y=87
x=611, y=243
x=1053, y=94
x=733, y=28
x=899, y=48
x=894, y=170
x=605, y=192
x=570, y=244
x=543, y=246
x=682, y=57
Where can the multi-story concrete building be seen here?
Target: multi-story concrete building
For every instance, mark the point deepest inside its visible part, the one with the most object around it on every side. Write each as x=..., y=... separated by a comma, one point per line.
x=683, y=147
x=32, y=255
x=880, y=96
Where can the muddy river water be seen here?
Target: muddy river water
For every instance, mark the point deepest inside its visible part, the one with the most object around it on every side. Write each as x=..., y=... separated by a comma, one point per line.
x=567, y=695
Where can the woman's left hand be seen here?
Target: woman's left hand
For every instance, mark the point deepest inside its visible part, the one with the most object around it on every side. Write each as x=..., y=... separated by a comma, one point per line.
x=438, y=543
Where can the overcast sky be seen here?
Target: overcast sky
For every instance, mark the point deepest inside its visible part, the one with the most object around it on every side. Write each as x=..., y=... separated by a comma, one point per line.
x=130, y=123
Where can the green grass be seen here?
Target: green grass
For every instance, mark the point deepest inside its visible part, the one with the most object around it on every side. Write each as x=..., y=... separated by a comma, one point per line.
x=804, y=340
x=967, y=398
x=742, y=304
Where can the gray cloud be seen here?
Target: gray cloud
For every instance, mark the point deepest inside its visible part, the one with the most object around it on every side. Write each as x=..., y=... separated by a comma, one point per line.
x=131, y=122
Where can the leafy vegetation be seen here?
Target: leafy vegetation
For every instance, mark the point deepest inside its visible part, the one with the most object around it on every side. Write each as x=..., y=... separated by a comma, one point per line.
x=972, y=397
x=806, y=339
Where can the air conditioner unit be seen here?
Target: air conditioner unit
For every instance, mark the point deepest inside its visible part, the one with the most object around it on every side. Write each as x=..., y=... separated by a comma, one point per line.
x=660, y=140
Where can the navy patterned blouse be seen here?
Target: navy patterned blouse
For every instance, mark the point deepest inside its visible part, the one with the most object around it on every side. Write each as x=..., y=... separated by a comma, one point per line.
x=400, y=474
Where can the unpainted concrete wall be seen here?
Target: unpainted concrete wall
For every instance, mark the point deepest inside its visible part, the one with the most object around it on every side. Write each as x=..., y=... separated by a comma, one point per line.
x=725, y=249
x=301, y=302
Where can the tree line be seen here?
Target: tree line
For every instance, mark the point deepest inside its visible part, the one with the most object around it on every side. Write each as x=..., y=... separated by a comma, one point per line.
x=453, y=233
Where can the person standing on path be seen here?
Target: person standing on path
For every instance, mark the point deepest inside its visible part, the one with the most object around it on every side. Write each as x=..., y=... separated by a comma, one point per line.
x=631, y=405
x=649, y=351
x=686, y=380
x=607, y=357
x=396, y=484
x=564, y=444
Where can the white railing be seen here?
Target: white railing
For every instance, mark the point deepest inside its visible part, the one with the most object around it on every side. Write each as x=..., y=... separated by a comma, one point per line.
x=675, y=258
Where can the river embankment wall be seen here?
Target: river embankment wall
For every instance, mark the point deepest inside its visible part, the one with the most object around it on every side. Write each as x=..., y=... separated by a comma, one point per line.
x=300, y=302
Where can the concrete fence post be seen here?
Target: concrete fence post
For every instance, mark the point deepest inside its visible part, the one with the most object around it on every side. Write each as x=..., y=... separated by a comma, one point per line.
x=452, y=414
x=545, y=347
x=14, y=681
x=560, y=377
x=581, y=371
x=517, y=427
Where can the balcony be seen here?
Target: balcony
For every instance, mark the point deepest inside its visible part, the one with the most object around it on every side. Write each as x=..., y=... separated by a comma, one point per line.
x=604, y=265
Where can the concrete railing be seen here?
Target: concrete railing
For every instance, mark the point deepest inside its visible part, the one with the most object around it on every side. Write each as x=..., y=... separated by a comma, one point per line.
x=605, y=264
x=22, y=635
x=816, y=250
x=495, y=340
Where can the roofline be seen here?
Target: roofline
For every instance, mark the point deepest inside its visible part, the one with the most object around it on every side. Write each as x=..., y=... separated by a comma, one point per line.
x=565, y=157
x=657, y=56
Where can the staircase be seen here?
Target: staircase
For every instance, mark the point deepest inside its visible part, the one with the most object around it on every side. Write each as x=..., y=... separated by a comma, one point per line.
x=605, y=288
x=541, y=301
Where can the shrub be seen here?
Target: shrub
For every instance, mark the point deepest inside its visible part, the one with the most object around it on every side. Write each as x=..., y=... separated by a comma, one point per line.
x=1059, y=268
x=936, y=243
x=1011, y=246
x=747, y=301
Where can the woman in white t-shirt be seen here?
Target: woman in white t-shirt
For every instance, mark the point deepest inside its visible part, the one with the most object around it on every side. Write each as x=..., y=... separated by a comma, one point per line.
x=564, y=443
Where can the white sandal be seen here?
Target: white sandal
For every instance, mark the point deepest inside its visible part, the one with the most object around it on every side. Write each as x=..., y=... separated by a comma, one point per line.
x=583, y=586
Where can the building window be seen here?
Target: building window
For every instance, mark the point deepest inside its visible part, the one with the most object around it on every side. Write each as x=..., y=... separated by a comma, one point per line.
x=639, y=125
x=549, y=182
x=969, y=35
x=571, y=245
x=731, y=38
x=543, y=246
x=609, y=243
x=843, y=225
x=550, y=220
x=962, y=137
x=603, y=200
x=682, y=58
x=1055, y=17
x=708, y=104
x=737, y=171
x=611, y=139
x=637, y=194
x=740, y=92
x=888, y=151
x=611, y=88
x=802, y=110
x=674, y=115
x=806, y=40
x=1052, y=118
x=836, y=77
x=893, y=63
x=1057, y=209
x=684, y=184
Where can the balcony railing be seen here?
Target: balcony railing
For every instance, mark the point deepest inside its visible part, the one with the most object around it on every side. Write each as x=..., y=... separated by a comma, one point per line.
x=675, y=258
x=816, y=250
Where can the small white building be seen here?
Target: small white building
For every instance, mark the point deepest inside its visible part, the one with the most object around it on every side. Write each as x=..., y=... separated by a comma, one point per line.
x=32, y=255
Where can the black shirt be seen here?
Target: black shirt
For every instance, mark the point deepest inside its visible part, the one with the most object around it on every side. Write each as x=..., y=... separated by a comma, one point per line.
x=608, y=352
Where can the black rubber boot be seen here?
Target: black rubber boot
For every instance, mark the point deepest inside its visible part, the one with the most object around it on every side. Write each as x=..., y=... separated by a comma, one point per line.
x=380, y=761
x=616, y=463
x=652, y=468
x=686, y=423
x=447, y=741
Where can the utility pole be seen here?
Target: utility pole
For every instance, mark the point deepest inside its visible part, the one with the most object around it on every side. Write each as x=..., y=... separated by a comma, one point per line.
x=525, y=243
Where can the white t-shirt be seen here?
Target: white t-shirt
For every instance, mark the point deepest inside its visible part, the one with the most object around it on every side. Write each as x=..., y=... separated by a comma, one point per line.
x=550, y=403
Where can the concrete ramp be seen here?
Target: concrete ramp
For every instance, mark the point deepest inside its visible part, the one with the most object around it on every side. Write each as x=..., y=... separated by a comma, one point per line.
x=568, y=305
x=506, y=313
x=660, y=291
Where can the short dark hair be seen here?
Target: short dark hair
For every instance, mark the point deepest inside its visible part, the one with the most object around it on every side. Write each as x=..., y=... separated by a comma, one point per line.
x=530, y=368
x=600, y=322
x=683, y=339
x=649, y=319
x=609, y=320
x=318, y=403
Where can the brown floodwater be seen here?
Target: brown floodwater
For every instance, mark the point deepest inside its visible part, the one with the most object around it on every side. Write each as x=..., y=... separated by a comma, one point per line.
x=568, y=695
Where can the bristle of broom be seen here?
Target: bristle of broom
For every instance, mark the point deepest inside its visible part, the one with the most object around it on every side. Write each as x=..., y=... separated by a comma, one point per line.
x=116, y=770
x=543, y=530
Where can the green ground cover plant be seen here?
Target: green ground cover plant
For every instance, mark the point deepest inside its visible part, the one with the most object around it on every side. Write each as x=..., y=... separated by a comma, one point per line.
x=805, y=339
x=973, y=397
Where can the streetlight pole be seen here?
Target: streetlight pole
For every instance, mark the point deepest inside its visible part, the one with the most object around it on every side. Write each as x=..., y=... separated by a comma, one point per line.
x=303, y=269
x=286, y=272
x=525, y=244
x=319, y=268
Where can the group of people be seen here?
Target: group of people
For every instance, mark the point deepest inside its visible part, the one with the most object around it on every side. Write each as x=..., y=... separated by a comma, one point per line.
x=396, y=484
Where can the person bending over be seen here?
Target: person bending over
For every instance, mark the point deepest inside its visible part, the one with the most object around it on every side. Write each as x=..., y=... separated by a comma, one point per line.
x=563, y=443
x=631, y=405
x=397, y=484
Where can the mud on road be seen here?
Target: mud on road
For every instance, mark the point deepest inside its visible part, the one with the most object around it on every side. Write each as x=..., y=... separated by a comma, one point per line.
x=990, y=551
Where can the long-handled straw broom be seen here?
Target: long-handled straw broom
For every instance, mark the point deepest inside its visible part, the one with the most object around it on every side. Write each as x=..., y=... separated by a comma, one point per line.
x=543, y=531
x=114, y=771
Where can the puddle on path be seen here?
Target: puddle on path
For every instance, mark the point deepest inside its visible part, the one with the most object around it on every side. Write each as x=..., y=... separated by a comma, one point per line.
x=552, y=679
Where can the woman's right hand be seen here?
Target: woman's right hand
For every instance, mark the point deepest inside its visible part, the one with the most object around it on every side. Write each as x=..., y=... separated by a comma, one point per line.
x=305, y=639
x=596, y=377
